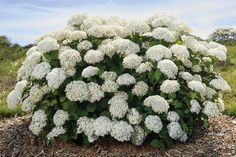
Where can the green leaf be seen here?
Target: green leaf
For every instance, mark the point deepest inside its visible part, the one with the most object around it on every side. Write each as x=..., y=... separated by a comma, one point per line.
x=157, y=75
x=62, y=99
x=157, y=143
x=91, y=107
x=177, y=104
x=172, y=95
x=53, y=102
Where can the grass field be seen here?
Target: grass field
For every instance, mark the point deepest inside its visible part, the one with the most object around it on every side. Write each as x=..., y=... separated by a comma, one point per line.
x=11, y=57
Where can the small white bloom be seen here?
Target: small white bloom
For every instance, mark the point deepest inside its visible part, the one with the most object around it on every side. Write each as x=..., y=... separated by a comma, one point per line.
x=118, y=107
x=210, y=109
x=69, y=58
x=121, y=131
x=168, y=67
x=21, y=85
x=93, y=56
x=13, y=99
x=96, y=92
x=144, y=67
x=220, y=84
x=158, y=103
x=132, y=61
x=158, y=52
x=102, y=126
x=125, y=47
x=195, y=106
x=164, y=34
x=153, y=123
x=60, y=117
x=134, y=116
x=47, y=44
x=84, y=45
x=41, y=70
x=55, y=78
x=170, y=86
x=138, y=135
x=196, y=68
x=56, y=131
x=186, y=76
x=36, y=93
x=175, y=131
x=109, y=75
x=173, y=116
x=137, y=27
x=110, y=86
x=180, y=51
x=197, y=87
x=39, y=121
x=27, y=105
x=125, y=79
x=89, y=71
x=140, y=89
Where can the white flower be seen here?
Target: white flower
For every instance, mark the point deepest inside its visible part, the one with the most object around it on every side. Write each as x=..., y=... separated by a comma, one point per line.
x=197, y=77
x=36, y=93
x=161, y=19
x=195, y=106
x=196, y=68
x=218, y=53
x=109, y=75
x=21, y=85
x=76, y=36
x=93, y=56
x=41, y=70
x=132, y=61
x=96, y=92
x=77, y=91
x=108, y=49
x=134, y=116
x=118, y=107
x=31, y=50
x=13, y=99
x=168, y=67
x=164, y=34
x=175, y=131
x=173, y=116
x=170, y=86
x=48, y=44
x=187, y=63
x=56, y=131
x=144, y=67
x=110, y=86
x=101, y=31
x=77, y=20
x=27, y=104
x=55, y=78
x=121, y=95
x=220, y=104
x=158, y=52
x=125, y=79
x=102, y=126
x=121, y=131
x=60, y=117
x=39, y=121
x=180, y=51
x=138, y=135
x=158, y=103
x=220, y=84
x=197, y=87
x=186, y=76
x=69, y=58
x=84, y=45
x=125, y=47
x=210, y=92
x=89, y=71
x=140, y=89
x=153, y=123
x=210, y=109
x=137, y=27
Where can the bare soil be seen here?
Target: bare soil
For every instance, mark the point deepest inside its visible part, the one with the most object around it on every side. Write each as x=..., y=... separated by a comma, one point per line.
x=16, y=140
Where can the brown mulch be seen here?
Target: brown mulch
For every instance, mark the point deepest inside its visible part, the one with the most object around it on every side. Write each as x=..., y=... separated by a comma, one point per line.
x=17, y=140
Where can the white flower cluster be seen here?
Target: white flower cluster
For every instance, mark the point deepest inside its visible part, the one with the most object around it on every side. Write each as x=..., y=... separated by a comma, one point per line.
x=129, y=78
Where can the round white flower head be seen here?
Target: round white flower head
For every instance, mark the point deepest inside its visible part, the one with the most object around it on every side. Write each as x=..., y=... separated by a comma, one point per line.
x=132, y=61
x=89, y=71
x=195, y=106
x=196, y=68
x=93, y=56
x=180, y=51
x=121, y=131
x=84, y=45
x=56, y=131
x=21, y=85
x=36, y=93
x=55, y=78
x=77, y=20
x=197, y=77
x=102, y=126
x=210, y=92
x=109, y=75
x=173, y=116
x=13, y=99
x=101, y=31
x=158, y=52
x=186, y=76
x=110, y=86
x=96, y=92
x=168, y=67
x=164, y=34
x=27, y=105
x=133, y=116
x=187, y=63
x=138, y=135
x=158, y=103
x=197, y=87
x=39, y=121
x=125, y=46
x=218, y=53
x=153, y=123
x=210, y=109
x=108, y=49
x=140, y=89
x=31, y=50
x=41, y=70
x=69, y=58
x=118, y=107
x=136, y=27
x=47, y=44
x=60, y=117
x=126, y=79
x=121, y=95
x=221, y=105
x=77, y=91
x=175, y=131
x=170, y=86
x=144, y=67
x=220, y=84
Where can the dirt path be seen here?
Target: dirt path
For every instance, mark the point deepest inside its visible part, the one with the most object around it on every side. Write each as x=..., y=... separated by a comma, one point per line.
x=16, y=140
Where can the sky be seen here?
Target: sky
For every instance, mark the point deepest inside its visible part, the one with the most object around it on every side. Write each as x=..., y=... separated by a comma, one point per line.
x=23, y=21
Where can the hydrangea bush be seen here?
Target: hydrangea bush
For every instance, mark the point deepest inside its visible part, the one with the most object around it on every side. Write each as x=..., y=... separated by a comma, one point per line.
x=224, y=36
x=140, y=81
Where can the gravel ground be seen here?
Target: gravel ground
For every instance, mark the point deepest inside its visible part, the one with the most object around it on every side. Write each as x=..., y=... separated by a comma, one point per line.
x=17, y=140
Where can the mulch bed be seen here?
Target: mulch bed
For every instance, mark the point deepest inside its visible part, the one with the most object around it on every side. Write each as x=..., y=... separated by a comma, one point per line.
x=17, y=140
